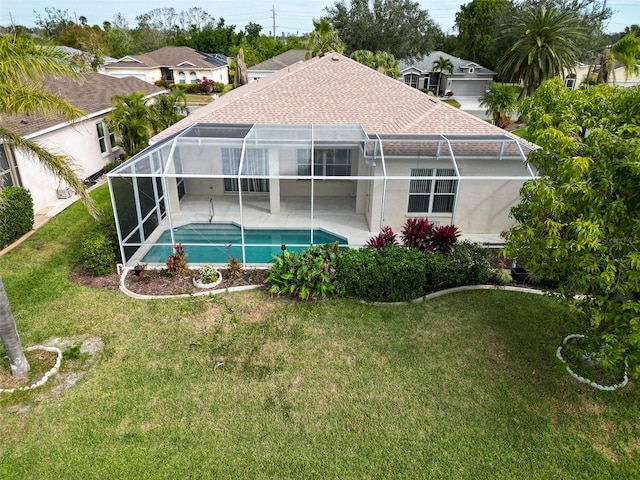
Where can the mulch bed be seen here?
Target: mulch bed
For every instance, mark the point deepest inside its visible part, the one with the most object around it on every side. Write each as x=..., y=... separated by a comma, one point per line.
x=159, y=283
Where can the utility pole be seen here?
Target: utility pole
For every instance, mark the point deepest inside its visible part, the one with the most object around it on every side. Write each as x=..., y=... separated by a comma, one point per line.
x=273, y=8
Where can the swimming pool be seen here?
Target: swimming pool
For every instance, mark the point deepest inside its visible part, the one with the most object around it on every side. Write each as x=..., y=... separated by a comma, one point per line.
x=216, y=242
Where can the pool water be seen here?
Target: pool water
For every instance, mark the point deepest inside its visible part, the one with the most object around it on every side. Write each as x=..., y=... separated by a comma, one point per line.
x=215, y=243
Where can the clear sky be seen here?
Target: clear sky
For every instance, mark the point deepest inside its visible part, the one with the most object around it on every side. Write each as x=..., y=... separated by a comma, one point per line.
x=291, y=16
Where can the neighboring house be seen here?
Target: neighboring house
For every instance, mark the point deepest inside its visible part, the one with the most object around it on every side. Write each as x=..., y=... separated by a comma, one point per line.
x=276, y=63
x=580, y=75
x=87, y=141
x=326, y=144
x=468, y=79
x=172, y=64
x=74, y=52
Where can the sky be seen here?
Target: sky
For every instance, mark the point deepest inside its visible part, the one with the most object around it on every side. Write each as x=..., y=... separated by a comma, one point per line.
x=291, y=16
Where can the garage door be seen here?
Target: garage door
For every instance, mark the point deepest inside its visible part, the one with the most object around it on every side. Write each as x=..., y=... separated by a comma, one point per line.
x=469, y=88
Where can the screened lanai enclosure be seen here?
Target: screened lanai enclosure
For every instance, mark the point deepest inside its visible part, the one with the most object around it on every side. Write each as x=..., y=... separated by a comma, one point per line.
x=249, y=190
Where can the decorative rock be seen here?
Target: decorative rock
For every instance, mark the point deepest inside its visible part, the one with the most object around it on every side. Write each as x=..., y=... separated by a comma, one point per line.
x=46, y=376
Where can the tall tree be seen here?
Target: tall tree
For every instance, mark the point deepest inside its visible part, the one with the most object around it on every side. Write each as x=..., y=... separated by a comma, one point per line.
x=399, y=27
x=324, y=38
x=22, y=66
x=168, y=109
x=479, y=25
x=439, y=65
x=383, y=62
x=578, y=225
x=546, y=46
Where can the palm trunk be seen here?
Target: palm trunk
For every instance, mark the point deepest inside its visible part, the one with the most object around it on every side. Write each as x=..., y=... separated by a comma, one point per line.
x=10, y=338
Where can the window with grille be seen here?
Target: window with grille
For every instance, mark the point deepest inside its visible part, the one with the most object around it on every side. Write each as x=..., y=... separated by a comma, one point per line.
x=8, y=169
x=255, y=163
x=326, y=162
x=193, y=77
x=102, y=139
x=411, y=79
x=429, y=195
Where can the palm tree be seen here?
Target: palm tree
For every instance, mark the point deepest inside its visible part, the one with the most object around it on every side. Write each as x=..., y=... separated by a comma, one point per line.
x=625, y=51
x=131, y=119
x=500, y=101
x=168, y=109
x=547, y=46
x=324, y=38
x=439, y=65
x=22, y=66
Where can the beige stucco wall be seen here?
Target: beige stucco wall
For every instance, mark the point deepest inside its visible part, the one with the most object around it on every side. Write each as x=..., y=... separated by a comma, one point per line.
x=149, y=75
x=80, y=142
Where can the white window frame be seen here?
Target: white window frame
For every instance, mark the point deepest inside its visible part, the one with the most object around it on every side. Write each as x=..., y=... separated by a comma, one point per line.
x=182, y=78
x=9, y=171
x=430, y=190
x=102, y=131
x=193, y=77
x=412, y=79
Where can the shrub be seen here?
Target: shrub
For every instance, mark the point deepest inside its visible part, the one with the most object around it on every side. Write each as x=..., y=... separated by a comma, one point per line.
x=97, y=253
x=177, y=262
x=205, y=85
x=208, y=274
x=445, y=238
x=16, y=214
x=391, y=274
x=235, y=269
x=384, y=238
x=417, y=233
x=306, y=275
x=468, y=264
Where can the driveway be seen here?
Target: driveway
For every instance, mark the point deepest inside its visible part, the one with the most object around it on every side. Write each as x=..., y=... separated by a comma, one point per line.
x=472, y=105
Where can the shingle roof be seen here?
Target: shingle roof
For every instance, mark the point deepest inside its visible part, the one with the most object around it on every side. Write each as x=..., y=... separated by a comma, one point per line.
x=93, y=94
x=280, y=61
x=336, y=90
x=426, y=64
x=172, y=57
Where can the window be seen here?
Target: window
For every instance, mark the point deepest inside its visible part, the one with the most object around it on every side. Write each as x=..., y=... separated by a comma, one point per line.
x=429, y=195
x=193, y=77
x=101, y=137
x=471, y=70
x=411, y=79
x=570, y=82
x=326, y=162
x=8, y=169
x=255, y=162
x=181, y=77
x=112, y=139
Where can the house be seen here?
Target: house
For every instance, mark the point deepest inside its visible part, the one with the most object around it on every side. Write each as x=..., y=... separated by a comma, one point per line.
x=276, y=63
x=618, y=76
x=87, y=140
x=173, y=65
x=325, y=146
x=86, y=58
x=468, y=78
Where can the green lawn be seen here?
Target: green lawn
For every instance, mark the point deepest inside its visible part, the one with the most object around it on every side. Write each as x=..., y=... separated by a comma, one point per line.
x=463, y=386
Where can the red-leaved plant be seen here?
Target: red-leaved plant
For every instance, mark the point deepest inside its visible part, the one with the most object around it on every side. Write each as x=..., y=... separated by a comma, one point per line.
x=445, y=238
x=384, y=238
x=417, y=233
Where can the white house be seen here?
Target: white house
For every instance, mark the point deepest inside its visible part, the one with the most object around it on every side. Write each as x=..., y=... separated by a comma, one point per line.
x=618, y=76
x=324, y=146
x=467, y=78
x=86, y=141
x=172, y=64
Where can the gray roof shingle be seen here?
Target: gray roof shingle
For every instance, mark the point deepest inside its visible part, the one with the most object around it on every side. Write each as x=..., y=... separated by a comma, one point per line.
x=281, y=61
x=172, y=57
x=426, y=64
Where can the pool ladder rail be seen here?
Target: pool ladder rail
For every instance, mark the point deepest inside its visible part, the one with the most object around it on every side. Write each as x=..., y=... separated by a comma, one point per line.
x=211, y=211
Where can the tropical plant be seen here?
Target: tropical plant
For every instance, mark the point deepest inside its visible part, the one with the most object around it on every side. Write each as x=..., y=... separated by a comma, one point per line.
x=500, y=101
x=385, y=238
x=445, y=238
x=208, y=274
x=468, y=264
x=324, y=38
x=417, y=233
x=168, y=109
x=177, y=261
x=440, y=64
x=306, y=275
x=625, y=51
x=546, y=46
x=234, y=269
x=382, y=62
x=577, y=225
x=23, y=65
x=131, y=120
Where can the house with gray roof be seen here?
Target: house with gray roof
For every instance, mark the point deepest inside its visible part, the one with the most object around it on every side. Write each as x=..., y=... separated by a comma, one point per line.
x=172, y=64
x=468, y=79
x=276, y=63
x=86, y=141
x=324, y=149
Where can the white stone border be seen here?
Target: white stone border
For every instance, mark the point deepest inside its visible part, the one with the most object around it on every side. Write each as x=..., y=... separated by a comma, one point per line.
x=591, y=383
x=46, y=376
x=126, y=291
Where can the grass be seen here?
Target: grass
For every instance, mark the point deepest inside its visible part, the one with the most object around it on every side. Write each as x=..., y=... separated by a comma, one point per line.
x=452, y=101
x=198, y=100
x=249, y=386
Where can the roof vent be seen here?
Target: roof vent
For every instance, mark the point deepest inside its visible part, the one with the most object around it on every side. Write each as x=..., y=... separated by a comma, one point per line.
x=335, y=57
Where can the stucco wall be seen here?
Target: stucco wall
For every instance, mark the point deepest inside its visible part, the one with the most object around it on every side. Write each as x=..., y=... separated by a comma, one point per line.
x=79, y=142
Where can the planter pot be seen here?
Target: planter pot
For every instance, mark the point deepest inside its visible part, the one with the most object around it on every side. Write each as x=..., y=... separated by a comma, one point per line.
x=198, y=284
x=519, y=274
